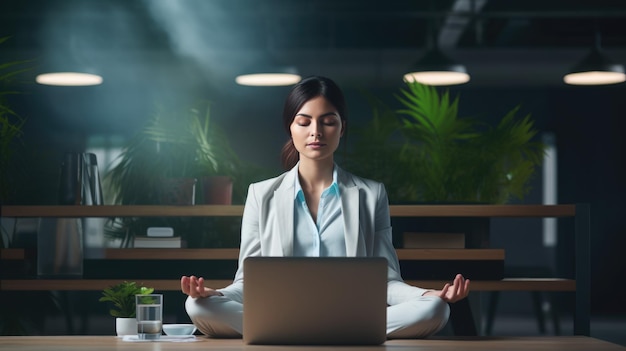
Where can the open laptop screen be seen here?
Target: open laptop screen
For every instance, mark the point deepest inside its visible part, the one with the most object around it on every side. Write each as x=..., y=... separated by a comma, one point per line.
x=315, y=301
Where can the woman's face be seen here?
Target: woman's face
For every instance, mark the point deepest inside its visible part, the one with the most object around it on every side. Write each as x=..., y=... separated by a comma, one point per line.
x=316, y=129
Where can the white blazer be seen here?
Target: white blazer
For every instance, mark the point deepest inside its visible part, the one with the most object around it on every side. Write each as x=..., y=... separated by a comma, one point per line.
x=268, y=224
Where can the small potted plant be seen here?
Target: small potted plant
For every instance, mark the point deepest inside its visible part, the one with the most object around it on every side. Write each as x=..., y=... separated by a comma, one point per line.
x=122, y=296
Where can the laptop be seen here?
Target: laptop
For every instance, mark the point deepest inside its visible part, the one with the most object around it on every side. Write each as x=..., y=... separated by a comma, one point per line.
x=315, y=301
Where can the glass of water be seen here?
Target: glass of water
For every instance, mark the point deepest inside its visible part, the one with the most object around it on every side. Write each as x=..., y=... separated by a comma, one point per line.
x=149, y=316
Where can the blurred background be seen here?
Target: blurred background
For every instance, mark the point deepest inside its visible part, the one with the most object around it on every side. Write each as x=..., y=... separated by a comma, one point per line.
x=155, y=53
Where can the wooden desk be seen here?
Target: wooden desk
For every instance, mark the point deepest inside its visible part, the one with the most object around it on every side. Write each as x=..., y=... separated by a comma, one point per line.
x=100, y=343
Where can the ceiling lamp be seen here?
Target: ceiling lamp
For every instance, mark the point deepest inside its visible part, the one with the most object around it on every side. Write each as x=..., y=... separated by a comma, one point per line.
x=270, y=75
x=269, y=71
x=596, y=69
x=435, y=68
x=69, y=79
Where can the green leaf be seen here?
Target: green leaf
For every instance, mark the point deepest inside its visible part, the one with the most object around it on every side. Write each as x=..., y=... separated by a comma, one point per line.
x=122, y=296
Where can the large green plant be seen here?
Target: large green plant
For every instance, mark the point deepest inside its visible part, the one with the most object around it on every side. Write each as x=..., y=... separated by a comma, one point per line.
x=437, y=156
x=179, y=143
x=171, y=144
x=374, y=149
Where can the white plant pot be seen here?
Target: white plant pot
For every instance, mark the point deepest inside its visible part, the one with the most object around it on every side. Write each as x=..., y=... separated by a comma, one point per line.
x=125, y=326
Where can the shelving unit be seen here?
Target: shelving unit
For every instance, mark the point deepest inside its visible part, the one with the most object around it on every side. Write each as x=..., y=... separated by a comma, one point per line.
x=237, y=211
x=580, y=286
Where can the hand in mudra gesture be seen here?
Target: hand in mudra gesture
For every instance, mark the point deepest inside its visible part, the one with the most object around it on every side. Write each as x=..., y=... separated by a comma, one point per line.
x=194, y=287
x=458, y=290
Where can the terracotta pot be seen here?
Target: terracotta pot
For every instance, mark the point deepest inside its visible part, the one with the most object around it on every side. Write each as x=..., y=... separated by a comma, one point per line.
x=125, y=326
x=177, y=191
x=217, y=190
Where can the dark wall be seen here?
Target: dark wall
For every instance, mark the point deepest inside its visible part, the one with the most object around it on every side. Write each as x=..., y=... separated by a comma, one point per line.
x=588, y=124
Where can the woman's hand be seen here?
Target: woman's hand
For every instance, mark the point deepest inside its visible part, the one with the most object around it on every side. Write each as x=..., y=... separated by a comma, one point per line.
x=458, y=290
x=194, y=287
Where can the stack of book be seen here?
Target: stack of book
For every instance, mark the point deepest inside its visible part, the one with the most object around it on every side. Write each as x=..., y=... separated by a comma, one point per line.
x=158, y=237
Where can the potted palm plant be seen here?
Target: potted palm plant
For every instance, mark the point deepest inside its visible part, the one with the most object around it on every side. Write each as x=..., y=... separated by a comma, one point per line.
x=172, y=149
x=217, y=164
x=425, y=152
x=172, y=145
x=122, y=296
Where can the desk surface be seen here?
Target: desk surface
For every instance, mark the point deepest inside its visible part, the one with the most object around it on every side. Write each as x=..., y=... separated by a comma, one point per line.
x=68, y=343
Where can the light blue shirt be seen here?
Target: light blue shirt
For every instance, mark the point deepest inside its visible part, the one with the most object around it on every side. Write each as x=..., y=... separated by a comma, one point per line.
x=325, y=237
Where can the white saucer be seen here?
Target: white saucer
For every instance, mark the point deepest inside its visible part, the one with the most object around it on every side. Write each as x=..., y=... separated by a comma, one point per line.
x=163, y=338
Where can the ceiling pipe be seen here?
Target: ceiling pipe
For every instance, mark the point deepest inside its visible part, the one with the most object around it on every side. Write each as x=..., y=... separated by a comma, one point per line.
x=454, y=26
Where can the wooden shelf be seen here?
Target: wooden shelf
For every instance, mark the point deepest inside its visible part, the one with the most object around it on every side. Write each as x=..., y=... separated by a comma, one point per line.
x=237, y=210
x=123, y=211
x=79, y=284
x=482, y=210
x=233, y=254
x=171, y=254
x=509, y=284
x=450, y=254
x=581, y=286
x=12, y=254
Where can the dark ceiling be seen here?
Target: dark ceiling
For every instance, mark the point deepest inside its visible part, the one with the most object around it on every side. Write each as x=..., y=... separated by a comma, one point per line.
x=502, y=42
x=165, y=52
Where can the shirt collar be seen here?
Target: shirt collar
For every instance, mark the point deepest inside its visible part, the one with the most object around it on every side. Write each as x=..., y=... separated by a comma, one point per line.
x=332, y=189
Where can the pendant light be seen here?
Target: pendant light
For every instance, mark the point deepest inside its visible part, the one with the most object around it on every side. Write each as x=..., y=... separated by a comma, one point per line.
x=271, y=71
x=435, y=68
x=69, y=79
x=272, y=74
x=596, y=69
x=69, y=64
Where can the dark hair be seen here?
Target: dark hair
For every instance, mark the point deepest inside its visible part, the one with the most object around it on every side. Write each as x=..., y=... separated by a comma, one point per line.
x=302, y=92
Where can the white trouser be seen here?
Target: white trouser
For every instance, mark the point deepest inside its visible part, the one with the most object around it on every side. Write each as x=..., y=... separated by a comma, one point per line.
x=221, y=317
